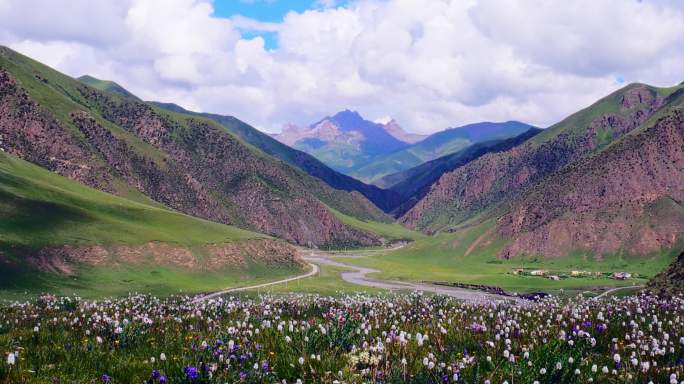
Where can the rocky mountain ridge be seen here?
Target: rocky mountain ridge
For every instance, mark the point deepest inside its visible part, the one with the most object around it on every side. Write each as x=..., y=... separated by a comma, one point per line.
x=188, y=163
x=606, y=179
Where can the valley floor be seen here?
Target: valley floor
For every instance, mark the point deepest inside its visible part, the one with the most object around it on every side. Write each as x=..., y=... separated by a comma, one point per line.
x=417, y=266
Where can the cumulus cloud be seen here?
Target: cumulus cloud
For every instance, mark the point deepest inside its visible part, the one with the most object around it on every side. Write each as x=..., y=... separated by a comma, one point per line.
x=430, y=65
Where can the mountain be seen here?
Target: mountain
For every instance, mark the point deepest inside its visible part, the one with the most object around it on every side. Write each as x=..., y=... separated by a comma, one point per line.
x=383, y=199
x=669, y=282
x=412, y=184
x=342, y=141
x=107, y=86
x=186, y=162
x=608, y=179
x=394, y=129
x=57, y=232
x=434, y=146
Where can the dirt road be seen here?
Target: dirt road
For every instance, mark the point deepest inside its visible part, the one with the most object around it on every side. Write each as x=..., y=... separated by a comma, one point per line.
x=359, y=276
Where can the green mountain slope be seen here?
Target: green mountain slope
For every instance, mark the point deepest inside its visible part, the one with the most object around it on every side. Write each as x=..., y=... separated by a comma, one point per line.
x=383, y=199
x=607, y=179
x=412, y=184
x=434, y=146
x=107, y=86
x=52, y=224
x=186, y=162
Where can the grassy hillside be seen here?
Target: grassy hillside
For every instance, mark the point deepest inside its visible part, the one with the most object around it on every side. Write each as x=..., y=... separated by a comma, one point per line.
x=107, y=86
x=493, y=180
x=389, y=231
x=42, y=209
x=434, y=146
x=187, y=162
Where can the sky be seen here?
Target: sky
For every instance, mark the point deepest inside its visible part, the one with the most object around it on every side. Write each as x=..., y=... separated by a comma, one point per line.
x=429, y=64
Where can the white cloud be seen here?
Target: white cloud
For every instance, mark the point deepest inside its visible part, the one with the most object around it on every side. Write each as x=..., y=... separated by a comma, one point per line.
x=429, y=65
x=249, y=24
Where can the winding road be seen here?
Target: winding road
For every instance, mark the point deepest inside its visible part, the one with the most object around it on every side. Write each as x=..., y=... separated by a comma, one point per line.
x=617, y=289
x=359, y=276
x=314, y=271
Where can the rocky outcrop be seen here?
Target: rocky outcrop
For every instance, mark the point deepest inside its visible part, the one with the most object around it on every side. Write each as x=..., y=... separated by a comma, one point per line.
x=669, y=282
x=627, y=198
x=31, y=133
x=215, y=257
x=494, y=179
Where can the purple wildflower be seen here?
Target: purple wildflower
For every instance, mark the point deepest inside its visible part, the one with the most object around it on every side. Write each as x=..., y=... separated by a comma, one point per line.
x=191, y=373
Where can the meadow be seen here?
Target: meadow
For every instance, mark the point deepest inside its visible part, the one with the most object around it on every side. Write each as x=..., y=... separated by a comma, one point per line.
x=356, y=338
x=451, y=257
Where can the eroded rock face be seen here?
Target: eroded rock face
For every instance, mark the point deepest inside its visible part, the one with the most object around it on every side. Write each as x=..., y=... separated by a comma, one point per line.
x=261, y=194
x=196, y=168
x=494, y=179
x=626, y=198
x=670, y=282
x=66, y=259
x=28, y=132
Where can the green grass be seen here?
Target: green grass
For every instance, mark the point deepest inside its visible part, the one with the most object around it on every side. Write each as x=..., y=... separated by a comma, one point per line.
x=390, y=231
x=40, y=208
x=327, y=282
x=120, y=280
x=443, y=258
x=107, y=86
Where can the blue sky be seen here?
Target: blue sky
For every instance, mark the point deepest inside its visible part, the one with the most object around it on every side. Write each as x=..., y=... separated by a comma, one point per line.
x=271, y=11
x=262, y=10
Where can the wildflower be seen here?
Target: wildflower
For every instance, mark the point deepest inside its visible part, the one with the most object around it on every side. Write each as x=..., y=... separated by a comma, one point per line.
x=162, y=356
x=604, y=369
x=106, y=379
x=11, y=359
x=542, y=371
x=616, y=358
x=301, y=361
x=191, y=373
